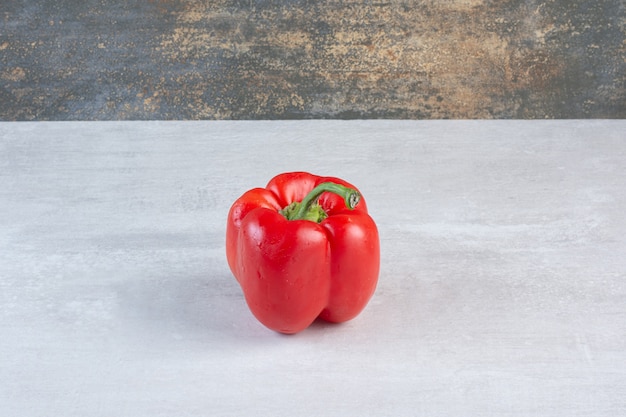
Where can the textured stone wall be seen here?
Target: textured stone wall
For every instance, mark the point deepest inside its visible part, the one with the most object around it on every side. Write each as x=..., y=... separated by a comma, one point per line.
x=264, y=59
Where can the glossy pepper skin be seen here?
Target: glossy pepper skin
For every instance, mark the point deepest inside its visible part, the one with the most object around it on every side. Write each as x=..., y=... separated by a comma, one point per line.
x=294, y=271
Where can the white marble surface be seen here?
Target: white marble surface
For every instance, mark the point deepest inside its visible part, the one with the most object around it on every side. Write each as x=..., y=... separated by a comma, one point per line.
x=502, y=289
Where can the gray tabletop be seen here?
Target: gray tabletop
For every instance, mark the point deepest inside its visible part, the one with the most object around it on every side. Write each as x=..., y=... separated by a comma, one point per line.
x=501, y=293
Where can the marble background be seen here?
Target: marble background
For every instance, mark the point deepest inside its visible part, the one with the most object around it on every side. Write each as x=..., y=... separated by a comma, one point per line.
x=299, y=59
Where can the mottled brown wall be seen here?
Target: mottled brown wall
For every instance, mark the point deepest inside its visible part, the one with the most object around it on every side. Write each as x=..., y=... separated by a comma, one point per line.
x=253, y=59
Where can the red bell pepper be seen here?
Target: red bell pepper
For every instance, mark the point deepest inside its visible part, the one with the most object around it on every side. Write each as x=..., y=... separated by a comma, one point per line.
x=301, y=248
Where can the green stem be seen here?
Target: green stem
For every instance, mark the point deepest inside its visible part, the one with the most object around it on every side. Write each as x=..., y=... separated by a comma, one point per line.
x=308, y=209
